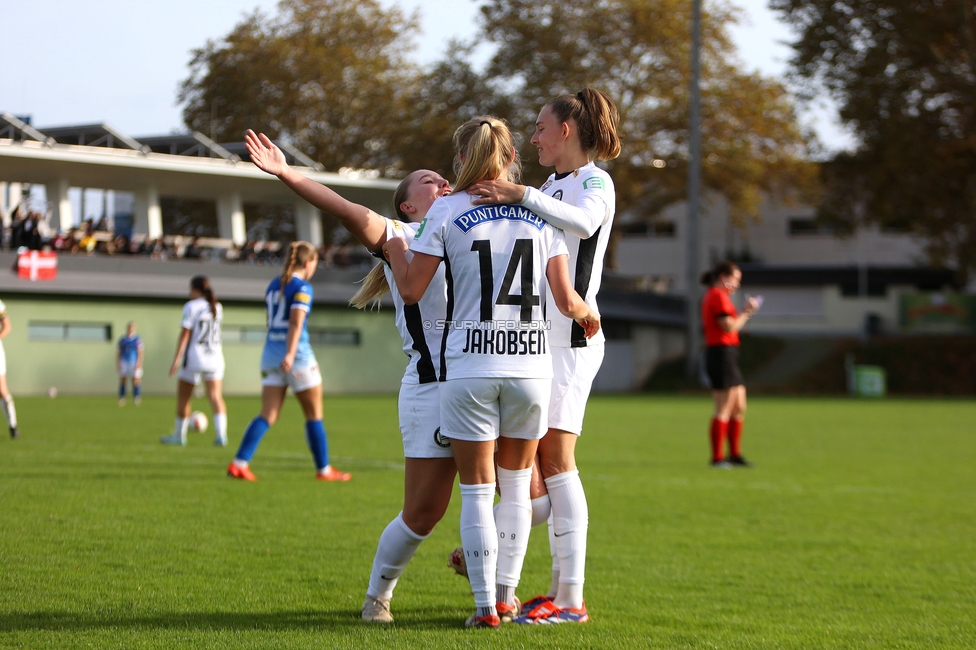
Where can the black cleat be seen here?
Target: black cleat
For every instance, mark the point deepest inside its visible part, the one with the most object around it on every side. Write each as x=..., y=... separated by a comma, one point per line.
x=14, y=433
x=739, y=461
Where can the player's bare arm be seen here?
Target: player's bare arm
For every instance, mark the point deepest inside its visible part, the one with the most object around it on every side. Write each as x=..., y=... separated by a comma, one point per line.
x=180, y=350
x=361, y=222
x=4, y=327
x=412, y=278
x=569, y=302
x=736, y=324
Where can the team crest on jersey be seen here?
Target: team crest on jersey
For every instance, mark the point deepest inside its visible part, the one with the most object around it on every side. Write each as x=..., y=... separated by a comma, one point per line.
x=488, y=213
x=546, y=185
x=558, y=195
x=420, y=230
x=440, y=440
x=396, y=225
x=593, y=183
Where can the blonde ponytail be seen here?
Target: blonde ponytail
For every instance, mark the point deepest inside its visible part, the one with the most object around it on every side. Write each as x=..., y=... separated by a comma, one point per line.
x=484, y=150
x=374, y=287
x=299, y=253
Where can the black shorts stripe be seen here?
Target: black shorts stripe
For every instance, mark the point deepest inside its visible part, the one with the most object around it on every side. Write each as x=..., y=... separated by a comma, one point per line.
x=415, y=327
x=449, y=316
x=584, y=273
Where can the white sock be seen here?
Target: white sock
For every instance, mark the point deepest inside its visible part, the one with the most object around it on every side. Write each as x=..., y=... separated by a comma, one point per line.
x=396, y=548
x=480, y=541
x=554, y=585
x=9, y=411
x=570, y=519
x=513, y=521
x=220, y=426
x=540, y=510
x=240, y=463
x=180, y=428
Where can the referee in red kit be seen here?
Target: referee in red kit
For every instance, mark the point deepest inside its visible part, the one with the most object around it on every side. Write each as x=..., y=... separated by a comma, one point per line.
x=722, y=323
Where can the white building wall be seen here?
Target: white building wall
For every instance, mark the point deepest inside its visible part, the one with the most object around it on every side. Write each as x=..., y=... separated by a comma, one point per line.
x=768, y=240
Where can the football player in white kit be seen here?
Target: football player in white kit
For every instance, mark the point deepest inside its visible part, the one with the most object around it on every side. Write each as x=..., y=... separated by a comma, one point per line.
x=429, y=465
x=572, y=131
x=199, y=356
x=6, y=399
x=495, y=354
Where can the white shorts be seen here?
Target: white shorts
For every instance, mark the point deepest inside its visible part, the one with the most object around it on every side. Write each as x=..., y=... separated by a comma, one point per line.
x=573, y=372
x=127, y=369
x=420, y=422
x=299, y=378
x=480, y=409
x=192, y=376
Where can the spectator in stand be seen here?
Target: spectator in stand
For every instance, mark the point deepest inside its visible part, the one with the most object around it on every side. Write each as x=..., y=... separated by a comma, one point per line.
x=88, y=241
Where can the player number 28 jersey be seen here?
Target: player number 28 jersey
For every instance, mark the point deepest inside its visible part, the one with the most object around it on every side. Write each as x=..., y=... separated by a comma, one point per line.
x=204, y=352
x=495, y=259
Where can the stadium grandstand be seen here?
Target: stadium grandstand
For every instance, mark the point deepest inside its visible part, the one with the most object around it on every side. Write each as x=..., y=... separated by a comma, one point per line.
x=134, y=268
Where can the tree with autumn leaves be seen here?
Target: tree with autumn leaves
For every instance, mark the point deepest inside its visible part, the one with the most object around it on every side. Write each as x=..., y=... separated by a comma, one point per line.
x=903, y=73
x=334, y=77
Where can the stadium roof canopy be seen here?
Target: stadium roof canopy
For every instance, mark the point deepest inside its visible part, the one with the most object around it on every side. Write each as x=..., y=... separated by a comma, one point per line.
x=182, y=165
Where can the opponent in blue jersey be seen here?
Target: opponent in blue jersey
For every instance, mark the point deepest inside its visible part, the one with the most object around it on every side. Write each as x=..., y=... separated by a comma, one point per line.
x=128, y=361
x=288, y=361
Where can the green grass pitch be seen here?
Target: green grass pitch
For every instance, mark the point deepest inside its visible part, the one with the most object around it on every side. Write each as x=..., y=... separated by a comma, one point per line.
x=856, y=529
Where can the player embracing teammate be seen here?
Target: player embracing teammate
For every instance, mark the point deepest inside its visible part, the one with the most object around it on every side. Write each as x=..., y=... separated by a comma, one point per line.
x=496, y=358
x=572, y=131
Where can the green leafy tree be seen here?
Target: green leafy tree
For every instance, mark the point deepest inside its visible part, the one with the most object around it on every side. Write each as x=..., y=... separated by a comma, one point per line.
x=638, y=52
x=904, y=75
x=327, y=75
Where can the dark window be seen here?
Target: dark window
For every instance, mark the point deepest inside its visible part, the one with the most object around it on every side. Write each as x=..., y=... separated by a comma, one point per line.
x=55, y=331
x=800, y=226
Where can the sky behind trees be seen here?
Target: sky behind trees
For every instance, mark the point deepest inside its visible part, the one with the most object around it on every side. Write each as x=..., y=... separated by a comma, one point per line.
x=121, y=62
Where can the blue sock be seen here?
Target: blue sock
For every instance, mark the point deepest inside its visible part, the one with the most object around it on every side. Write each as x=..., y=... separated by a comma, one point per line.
x=136, y=390
x=317, y=442
x=121, y=391
x=252, y=438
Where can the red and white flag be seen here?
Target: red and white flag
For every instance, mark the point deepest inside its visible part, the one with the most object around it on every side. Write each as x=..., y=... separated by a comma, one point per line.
x=37, y=265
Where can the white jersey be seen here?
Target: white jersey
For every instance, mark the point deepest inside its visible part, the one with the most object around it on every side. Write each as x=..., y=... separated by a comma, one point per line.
x=495, y=259
x=421, y=341
x=203, y=352
x=583, y=207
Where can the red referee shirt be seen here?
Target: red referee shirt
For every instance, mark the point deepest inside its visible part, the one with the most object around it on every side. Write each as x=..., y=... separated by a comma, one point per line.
x=715, y=305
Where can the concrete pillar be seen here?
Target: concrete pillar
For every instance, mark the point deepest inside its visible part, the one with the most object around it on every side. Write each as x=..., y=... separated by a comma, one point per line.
x=230, y=218
x=57, y=198
x=148, y=215
x=4, y=206
x=308, y=223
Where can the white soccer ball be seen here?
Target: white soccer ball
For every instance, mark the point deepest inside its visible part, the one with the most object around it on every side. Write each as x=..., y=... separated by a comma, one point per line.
x=52, y=392
x=198, y=422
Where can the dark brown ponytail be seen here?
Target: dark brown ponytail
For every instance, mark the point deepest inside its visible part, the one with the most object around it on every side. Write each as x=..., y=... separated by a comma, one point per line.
x=708, y=278
x=202, y=284
x=596, y=119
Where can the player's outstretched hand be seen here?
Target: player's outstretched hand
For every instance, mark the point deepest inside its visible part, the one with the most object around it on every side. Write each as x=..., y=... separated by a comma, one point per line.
x=497, y=191
x=590, y=324
x=264, y=154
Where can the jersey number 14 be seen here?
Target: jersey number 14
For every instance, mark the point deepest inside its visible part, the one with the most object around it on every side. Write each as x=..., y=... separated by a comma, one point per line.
x=522, y=255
